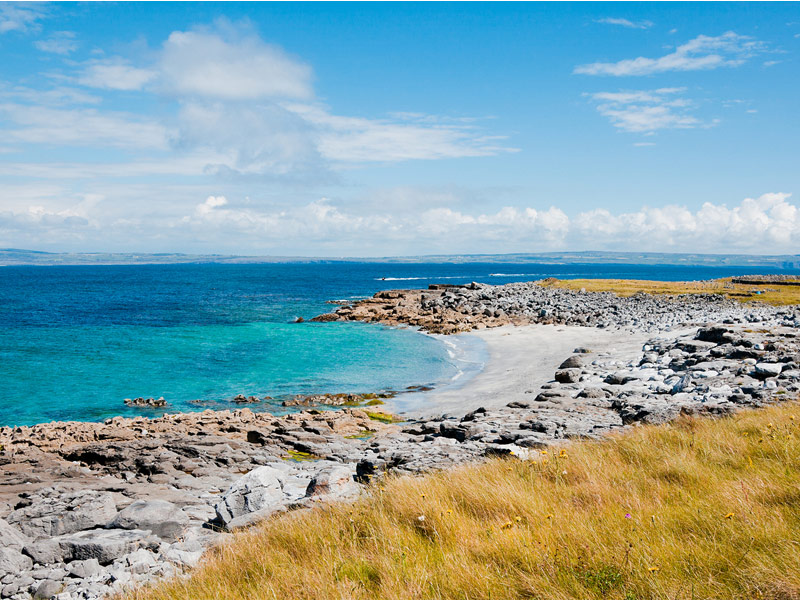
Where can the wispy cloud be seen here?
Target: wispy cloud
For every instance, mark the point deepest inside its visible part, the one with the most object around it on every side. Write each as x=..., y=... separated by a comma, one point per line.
x=626, y=23
x=114, y=74
x=647, y=111
x=253, y=108
x=81, y=127
x=702, y=53
x=21, y=16
x=60, y=42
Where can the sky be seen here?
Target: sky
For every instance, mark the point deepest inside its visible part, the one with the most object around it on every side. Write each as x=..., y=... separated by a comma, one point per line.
x=385, y=129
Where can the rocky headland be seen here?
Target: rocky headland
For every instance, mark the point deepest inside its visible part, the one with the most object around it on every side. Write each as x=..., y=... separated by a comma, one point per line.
x=87, y=509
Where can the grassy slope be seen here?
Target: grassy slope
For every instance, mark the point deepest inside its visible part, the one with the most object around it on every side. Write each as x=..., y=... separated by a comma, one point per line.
x=700, y=508
x=779, y=295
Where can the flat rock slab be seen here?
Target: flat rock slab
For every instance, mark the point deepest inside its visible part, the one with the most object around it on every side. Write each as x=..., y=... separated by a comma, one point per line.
x=104, y=545
x=160, y=517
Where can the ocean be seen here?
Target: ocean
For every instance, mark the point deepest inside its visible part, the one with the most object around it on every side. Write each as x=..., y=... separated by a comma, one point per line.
x=75, y=341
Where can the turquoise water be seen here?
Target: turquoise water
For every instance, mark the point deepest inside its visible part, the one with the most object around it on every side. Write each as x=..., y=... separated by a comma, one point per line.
x=76, y=341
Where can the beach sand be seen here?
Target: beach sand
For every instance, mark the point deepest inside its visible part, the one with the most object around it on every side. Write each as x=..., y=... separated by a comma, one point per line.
x=520, y=360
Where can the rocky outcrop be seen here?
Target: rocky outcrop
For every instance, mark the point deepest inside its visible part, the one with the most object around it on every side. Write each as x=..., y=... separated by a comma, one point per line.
x=146, y=402
x=453, y=309
x=279, y=486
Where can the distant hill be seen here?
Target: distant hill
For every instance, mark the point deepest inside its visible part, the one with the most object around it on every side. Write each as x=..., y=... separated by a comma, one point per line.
x=14, y=256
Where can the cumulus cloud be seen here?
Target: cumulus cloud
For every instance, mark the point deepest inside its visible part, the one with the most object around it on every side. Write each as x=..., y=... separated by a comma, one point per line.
x=702, y=53
x=115, y=74
x=644, y=24
x=236, y=66
x=769, y=223
x=210, y=204
x=647, y=111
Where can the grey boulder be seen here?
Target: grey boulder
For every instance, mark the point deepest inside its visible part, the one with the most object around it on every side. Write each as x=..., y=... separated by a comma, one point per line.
x=334, y=483
x=163, y=518
x=259, y=490
x=13, y=561
x=11, y=537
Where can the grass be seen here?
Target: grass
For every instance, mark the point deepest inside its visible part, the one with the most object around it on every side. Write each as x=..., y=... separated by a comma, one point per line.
x=699, y=508
x=778, y=295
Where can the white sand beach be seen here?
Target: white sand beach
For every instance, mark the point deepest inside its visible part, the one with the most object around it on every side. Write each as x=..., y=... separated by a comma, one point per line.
x=520, y=360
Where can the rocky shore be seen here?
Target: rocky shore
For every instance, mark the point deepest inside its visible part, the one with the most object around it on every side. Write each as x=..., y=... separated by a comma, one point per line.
x=453, y=309
x=87, y=509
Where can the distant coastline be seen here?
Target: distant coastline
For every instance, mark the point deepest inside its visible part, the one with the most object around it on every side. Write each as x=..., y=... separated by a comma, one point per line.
x=23, y=257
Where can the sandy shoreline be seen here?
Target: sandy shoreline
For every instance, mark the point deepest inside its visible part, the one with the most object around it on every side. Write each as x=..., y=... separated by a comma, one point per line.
x=519, y=360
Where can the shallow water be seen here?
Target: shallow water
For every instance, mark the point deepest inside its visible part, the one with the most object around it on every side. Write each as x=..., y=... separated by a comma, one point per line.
x=76, y=341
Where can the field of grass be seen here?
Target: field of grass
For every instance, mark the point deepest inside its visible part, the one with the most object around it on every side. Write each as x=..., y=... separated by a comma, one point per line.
x=778, y=295
x=699, y=508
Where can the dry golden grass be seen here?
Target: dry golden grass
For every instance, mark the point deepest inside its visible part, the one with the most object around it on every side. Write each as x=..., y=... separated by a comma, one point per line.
x=700, y=508
x=778, y=295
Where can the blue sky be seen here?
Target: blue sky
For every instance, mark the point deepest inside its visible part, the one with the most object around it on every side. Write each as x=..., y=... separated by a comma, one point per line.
x=384, y=129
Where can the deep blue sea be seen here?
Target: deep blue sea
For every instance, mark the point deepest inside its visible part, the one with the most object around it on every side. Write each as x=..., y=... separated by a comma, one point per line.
x=75, y=341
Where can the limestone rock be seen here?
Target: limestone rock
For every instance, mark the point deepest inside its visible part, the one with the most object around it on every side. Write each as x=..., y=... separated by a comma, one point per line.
x=104, y=545
x=11, y=537
x=334, y=483
x=163, y=518
x=53, y=512
x=13, y=561
x=260, y=489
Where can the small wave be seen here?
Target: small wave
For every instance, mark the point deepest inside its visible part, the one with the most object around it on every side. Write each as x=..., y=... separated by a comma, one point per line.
x=514, y=274
x=465, y=277
x=399, y=278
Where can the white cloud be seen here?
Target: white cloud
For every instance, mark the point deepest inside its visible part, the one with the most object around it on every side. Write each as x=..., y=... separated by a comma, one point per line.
x=702, y=53
x=58, y=96
x=767, y=224
x=81, y=127
x=60, y=42
x=20, y=16
x=252, y=138
x=115, y=74
x=206, y=64
x=210, y=204
x=626, y=23
x=353, y=139
x=647, y=111
x=251, y=109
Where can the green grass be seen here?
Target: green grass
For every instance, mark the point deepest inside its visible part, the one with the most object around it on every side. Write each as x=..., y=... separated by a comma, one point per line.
x=696, y=509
